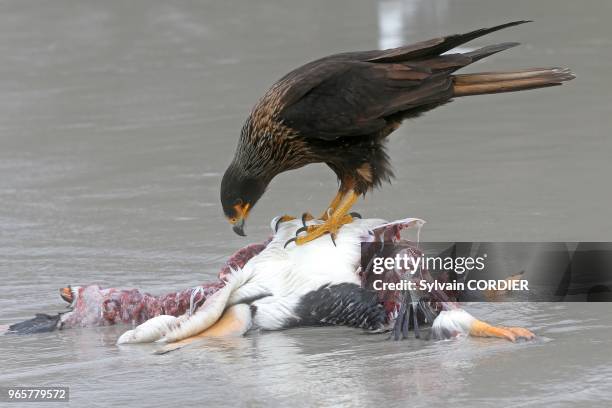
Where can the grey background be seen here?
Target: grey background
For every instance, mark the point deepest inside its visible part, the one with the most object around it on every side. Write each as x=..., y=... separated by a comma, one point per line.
x=118, y=119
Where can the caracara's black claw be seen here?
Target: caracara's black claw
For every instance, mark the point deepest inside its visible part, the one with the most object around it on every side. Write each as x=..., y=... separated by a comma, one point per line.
x=300, y=230
x=333, y=238
x=290, y=241
x=277, y=224
x=281, y=219
x=355, y=215
x=304, y=216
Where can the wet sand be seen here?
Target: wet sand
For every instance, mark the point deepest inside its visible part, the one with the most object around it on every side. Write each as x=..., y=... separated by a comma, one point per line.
x=118, y=120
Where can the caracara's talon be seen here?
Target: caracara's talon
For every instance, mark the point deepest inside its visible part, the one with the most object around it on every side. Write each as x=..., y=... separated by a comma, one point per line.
x=327, y=214
x=333, y=237
x=337, y=216
x=277, y=224
x=306, y=217
x=290, y=241
x=355, y=215
x=331, y=226
x=282, y=219
x=300, y=230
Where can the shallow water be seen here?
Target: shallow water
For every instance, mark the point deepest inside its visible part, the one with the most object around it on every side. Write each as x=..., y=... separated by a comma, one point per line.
x=118, y=119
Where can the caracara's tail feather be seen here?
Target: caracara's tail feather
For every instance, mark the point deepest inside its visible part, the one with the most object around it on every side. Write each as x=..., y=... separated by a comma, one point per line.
x=435, y=46
x=489, y=50
x=497, y=82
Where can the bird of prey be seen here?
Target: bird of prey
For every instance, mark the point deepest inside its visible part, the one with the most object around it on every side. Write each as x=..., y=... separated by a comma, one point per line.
x=339, y=110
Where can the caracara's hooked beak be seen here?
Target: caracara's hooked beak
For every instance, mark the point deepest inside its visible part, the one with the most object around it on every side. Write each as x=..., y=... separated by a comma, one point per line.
x=242, y=211
x=239, y=227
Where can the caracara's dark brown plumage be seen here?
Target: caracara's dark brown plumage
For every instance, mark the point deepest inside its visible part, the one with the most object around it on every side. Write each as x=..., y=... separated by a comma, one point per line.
x=339, y=109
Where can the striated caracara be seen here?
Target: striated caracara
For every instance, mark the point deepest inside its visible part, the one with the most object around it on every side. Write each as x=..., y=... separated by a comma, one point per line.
x=338, y=110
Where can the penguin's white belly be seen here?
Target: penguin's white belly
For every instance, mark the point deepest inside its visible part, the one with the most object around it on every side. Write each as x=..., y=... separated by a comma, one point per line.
x=283, y=276
x=314, y=283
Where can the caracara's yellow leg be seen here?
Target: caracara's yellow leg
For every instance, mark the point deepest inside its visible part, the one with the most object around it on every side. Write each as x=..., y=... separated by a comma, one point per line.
x=333, y=205
x=335, y=221
x=482, y=329
x=235, y=322
x=307, y=216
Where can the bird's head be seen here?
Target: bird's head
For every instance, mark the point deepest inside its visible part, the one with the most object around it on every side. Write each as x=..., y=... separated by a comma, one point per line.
x=239, y=194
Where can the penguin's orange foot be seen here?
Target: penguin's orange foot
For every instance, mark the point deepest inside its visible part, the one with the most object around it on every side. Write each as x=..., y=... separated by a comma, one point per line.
x=482, y=329
x=235, y=322
x=520, y=333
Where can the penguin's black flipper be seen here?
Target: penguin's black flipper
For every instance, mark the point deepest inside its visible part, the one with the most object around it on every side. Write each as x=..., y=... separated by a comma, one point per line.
x=42, y=323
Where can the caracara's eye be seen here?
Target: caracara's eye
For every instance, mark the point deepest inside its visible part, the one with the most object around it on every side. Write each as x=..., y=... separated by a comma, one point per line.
x=239, y=201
